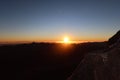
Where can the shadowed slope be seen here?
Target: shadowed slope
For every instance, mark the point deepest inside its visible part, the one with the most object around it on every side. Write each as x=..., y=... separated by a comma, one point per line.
x=103, y=65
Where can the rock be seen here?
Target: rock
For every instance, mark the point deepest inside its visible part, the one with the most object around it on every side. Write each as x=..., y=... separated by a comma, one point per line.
x=102, y=65
x=114, y=38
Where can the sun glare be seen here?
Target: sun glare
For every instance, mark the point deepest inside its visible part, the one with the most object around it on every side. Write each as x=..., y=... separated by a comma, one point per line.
x=66, y=40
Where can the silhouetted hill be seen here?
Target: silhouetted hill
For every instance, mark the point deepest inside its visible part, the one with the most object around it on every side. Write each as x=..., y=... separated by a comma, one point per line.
x=114, y=38
x=100, y=65
x=43, y=61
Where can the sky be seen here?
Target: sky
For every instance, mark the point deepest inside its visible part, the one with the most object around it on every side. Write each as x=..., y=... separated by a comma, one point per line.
x=51, y=20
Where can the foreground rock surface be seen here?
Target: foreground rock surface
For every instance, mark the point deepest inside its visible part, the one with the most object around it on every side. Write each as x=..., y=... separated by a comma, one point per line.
x=103, y=65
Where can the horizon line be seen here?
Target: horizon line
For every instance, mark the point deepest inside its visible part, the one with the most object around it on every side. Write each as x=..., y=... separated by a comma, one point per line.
x=22, y=42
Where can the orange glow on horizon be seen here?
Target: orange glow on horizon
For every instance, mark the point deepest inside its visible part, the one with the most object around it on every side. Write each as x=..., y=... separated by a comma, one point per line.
x=66, y=40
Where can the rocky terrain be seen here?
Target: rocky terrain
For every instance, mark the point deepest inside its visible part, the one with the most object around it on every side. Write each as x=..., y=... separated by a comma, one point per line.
x=100, y=65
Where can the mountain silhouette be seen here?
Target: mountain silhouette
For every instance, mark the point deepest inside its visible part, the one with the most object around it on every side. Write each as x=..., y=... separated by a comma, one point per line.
x=100, y=65
x=114, y=38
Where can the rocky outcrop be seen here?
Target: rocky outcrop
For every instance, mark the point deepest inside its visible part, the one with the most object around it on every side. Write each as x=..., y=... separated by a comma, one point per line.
x=114, y=38
x=101, y=65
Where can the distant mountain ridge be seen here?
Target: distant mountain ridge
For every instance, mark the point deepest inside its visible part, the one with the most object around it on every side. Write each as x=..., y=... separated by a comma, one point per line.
x=103, y=65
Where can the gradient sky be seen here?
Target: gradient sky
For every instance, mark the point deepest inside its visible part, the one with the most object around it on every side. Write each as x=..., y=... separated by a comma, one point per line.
x=46, y=20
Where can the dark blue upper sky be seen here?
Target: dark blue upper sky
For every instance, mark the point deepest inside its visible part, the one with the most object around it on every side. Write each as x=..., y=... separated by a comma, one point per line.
x=33, y=20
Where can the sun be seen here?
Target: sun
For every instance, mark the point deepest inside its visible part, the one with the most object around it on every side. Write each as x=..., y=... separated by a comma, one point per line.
x=66, y=40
